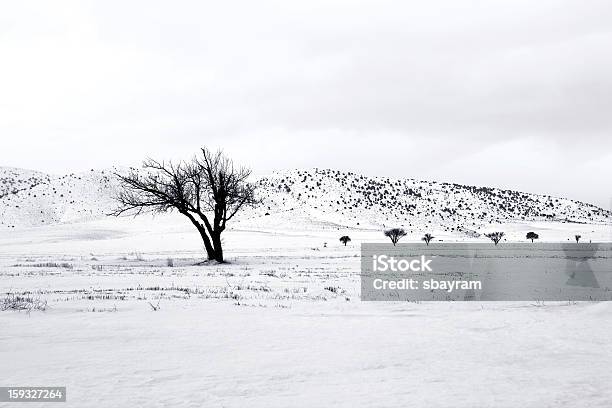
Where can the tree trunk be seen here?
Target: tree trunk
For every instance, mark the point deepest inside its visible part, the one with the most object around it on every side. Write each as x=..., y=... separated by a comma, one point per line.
x=217, y=248
x=210, y=252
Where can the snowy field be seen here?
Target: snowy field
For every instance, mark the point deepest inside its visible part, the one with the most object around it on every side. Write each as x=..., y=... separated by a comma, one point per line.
x=281, y=325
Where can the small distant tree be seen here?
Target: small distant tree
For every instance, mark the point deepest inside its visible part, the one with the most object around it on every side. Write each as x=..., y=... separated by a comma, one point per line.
x=495, y=236
x=427, y=238
x=345, y=239
x=395, y=234
x=577, y=238
x=532, y=236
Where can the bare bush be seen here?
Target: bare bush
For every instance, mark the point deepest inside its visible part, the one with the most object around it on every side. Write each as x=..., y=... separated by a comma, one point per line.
x=395, y=234
x=495, y=236
x=14, y=301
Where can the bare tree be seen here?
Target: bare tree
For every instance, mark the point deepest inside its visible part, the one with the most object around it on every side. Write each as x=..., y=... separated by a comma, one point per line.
x=395, y=234
x=345, y=239
x=495, y=237
x=532, y=236
x=577, y=237
x=207, y=189
x=427, y=238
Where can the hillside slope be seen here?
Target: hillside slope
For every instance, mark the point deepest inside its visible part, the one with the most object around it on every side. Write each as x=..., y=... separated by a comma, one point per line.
x=310, y=199
x=13, y=180
x=347, y=199
x=67, y=198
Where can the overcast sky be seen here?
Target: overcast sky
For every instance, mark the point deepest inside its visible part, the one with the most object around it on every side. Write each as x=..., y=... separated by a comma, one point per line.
x=514, y=94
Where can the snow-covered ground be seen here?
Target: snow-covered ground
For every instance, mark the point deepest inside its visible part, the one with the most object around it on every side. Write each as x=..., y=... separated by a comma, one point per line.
x=281, y=325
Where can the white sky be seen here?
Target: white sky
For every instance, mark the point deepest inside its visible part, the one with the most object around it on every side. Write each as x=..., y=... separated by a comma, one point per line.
x=514, y=94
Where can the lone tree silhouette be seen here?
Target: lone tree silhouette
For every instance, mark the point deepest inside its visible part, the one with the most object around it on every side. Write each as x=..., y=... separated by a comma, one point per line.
x=345, y=239
x=427, y=238
x=532, y=236
x=495, y=236
x=395, y=234
x=577, y=237
x=207, y=189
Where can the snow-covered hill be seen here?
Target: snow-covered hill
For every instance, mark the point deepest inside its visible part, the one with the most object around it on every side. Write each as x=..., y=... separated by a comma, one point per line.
x=308, y=199
x=331, y=199
x=13, y=180
x=349, y=199
x=55, y=199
